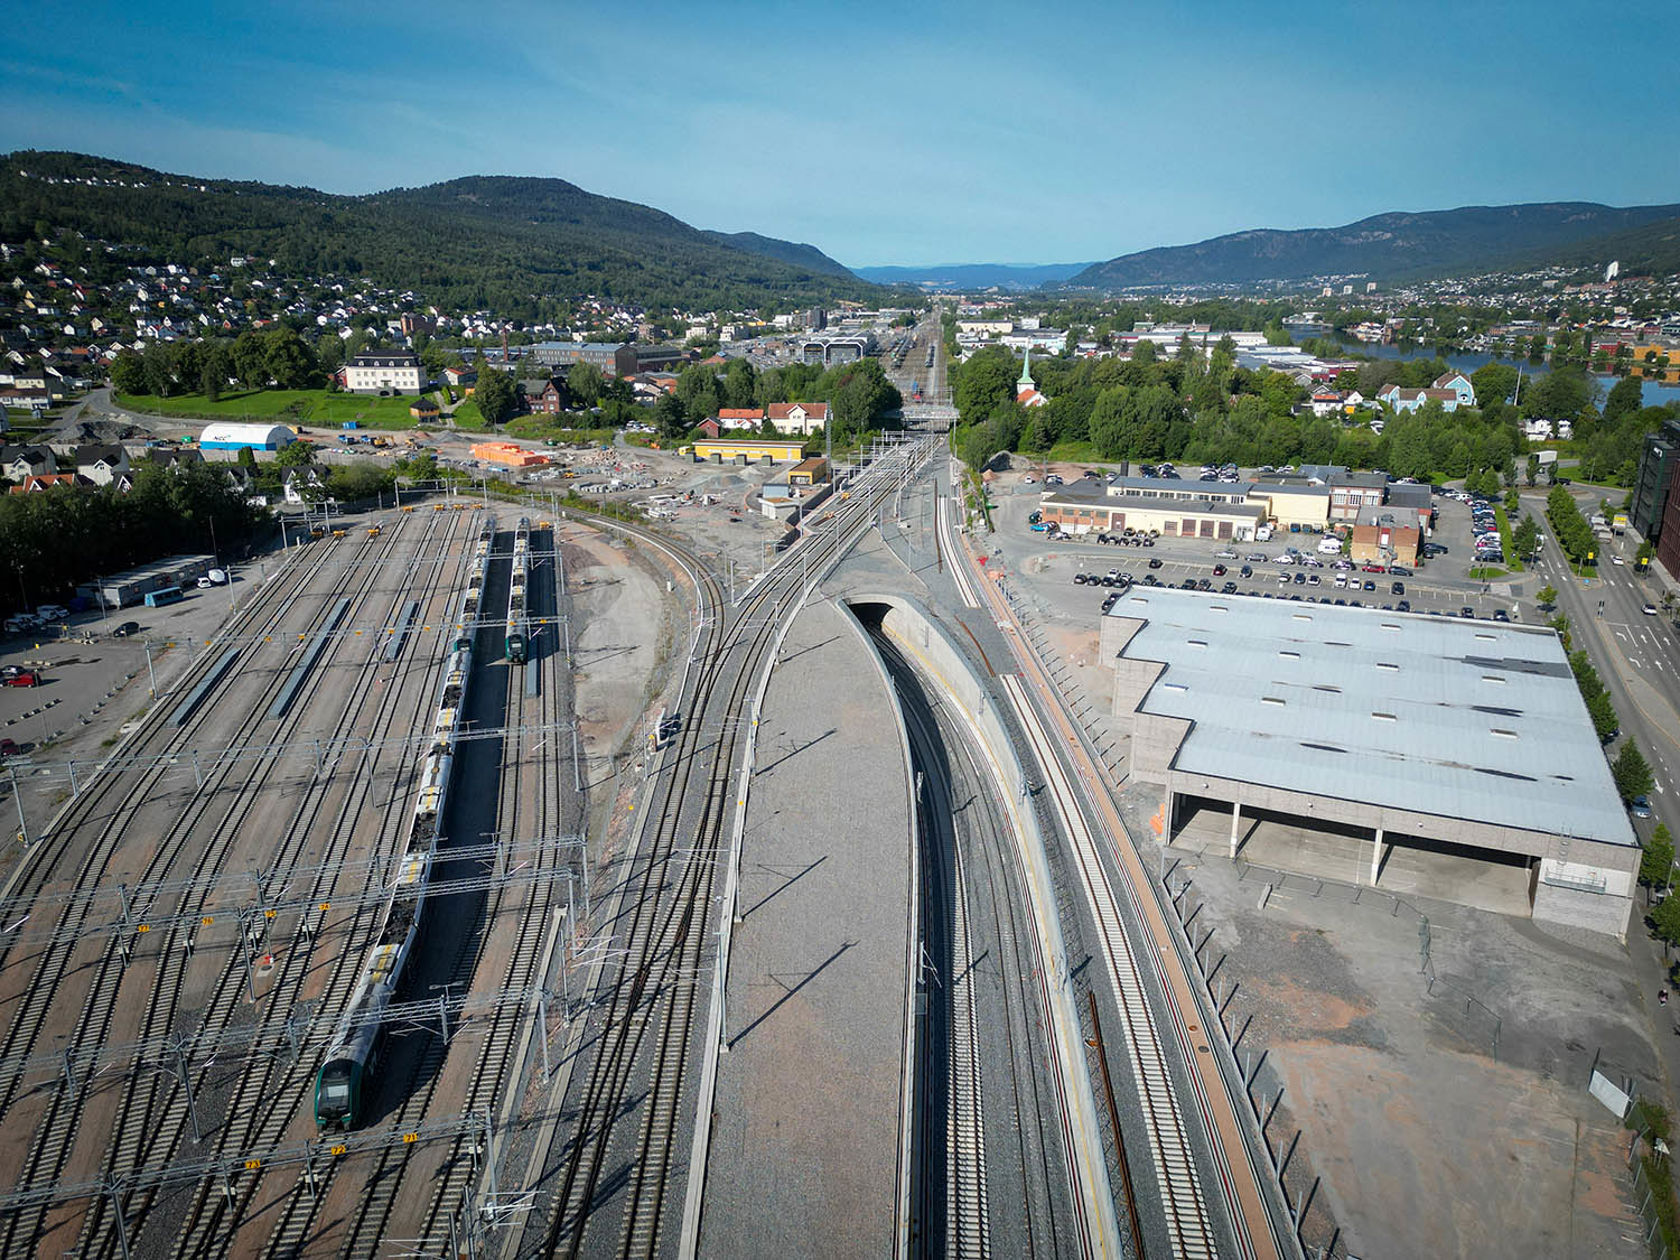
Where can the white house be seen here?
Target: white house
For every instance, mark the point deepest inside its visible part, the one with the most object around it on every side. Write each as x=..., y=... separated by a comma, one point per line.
x=383, y=372
x=102, y=463
x=798, y=418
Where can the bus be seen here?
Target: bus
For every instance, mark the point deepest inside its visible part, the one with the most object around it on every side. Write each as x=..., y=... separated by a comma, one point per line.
x=168, y=595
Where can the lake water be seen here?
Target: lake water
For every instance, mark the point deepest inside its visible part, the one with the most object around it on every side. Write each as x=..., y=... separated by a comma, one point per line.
x=1654, y=393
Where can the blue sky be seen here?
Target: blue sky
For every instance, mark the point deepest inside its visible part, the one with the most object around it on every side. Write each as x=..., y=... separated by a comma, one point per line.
x=884, y=133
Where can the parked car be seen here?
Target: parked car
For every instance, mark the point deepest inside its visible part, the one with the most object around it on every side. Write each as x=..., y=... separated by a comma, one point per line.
x=1218, y=570
x=1154, y=562
x=126, y=629
x=23, y=678
x=9, y=749
x=1246, y=571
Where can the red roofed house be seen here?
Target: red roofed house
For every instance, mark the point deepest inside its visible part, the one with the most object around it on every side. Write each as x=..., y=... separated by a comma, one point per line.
x=732, y=418
x=49, y=481
x=798, y=418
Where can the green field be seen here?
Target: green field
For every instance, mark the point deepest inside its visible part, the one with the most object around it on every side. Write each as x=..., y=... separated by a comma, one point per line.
x=283, y=406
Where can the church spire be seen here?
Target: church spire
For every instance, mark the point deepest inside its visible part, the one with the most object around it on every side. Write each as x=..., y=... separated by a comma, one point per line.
x=1026, y=381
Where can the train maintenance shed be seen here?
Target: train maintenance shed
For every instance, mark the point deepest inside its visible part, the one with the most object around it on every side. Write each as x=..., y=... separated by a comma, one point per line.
x=1463, y=743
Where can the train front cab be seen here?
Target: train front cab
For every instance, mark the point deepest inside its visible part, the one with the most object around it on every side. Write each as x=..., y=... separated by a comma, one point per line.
x=338, y=1094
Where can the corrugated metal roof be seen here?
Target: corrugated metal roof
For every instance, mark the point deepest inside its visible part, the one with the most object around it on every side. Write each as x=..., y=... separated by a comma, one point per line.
x=1466, y=719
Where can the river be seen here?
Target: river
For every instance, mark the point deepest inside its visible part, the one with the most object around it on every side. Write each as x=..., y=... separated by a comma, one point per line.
x=1654, y=393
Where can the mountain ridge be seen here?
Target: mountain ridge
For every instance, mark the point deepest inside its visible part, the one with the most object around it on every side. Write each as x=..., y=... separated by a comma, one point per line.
x=1390, y=246
x=513, y=242
x=1016, y=276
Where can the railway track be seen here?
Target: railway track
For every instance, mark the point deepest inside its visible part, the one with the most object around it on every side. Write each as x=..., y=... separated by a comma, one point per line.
x=137, y=1125
x=249, y=1125
x=1189, y=1225
x=650, y=1001
x=140, y=1129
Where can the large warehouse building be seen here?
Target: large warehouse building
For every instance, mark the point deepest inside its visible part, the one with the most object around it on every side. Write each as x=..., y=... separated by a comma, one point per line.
x=1461, y=743
x=233, y=437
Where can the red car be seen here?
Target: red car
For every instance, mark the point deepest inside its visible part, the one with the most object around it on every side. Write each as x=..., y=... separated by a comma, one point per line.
x=8, y=748
x=1375, y=568
x=23, y=678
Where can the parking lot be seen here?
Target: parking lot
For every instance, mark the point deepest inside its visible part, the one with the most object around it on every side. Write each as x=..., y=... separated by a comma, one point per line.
x=1440, y=585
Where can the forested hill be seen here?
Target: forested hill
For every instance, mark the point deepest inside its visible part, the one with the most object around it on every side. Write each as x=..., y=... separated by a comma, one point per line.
x=493, y=242
x=1385, y=247
x=808, y=257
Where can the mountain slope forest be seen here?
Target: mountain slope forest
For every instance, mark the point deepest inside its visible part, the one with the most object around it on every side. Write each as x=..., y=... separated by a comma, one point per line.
x=482, y=242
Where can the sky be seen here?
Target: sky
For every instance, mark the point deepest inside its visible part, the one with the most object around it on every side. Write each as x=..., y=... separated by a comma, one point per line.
x=916, y=133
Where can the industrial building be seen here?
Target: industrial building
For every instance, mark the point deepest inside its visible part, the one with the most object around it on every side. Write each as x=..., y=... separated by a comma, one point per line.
x=1358, y=734
x=222, y=436
x=747, y=450
x=614, y=358
x=133, y=585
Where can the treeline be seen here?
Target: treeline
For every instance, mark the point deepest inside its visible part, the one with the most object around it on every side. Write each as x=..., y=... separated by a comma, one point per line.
x=276, y=357
x=858, y=394
x=473, y=244
x=1176, y=403
x=56, y=539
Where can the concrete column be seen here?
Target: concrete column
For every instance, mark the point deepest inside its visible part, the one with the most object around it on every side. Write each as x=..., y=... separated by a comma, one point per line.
x=1167, y=816
x=1378, y=848
x=1236, y=824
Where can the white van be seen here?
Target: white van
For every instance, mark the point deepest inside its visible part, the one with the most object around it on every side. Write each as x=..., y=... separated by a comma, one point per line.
x=52, y=612
x=1263, y=534
x=1330, y=546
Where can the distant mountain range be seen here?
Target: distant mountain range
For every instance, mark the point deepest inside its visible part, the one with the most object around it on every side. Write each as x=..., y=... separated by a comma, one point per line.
x=1401, y=245
x=504, y=243
x=970, y=276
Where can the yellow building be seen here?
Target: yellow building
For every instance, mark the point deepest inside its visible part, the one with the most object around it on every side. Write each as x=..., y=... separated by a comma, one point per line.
x=811, y=472
x=748, y=450
x=1286, y=505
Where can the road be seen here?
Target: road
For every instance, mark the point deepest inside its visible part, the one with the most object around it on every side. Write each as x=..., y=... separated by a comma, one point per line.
x=1637, y=656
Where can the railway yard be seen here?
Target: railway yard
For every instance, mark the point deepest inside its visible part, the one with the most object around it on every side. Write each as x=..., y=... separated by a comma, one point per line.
x=497, y=882
x=458, y=895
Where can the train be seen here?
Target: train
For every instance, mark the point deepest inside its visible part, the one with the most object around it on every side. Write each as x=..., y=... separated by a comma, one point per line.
x=518, y=632
x=340, y=1086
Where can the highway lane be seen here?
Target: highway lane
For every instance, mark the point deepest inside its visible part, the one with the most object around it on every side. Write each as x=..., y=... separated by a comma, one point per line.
x=1637, y=657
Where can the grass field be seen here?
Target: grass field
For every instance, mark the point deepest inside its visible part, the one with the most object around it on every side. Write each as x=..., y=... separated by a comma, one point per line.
x=283, y=406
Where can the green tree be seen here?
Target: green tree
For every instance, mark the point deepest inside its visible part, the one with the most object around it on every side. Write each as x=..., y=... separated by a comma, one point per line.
x=979, y=385
x=1665, y=920
x=1602, y=711
x=495, y=396
x=583, y=382
x=1533, y=469
x=1631, y=772
x=1626, y=397
x=128, y=373
x=1493, y=383
x=1546, y=596
x=1524, y=537
x=1657, y=861
x=295, y=455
